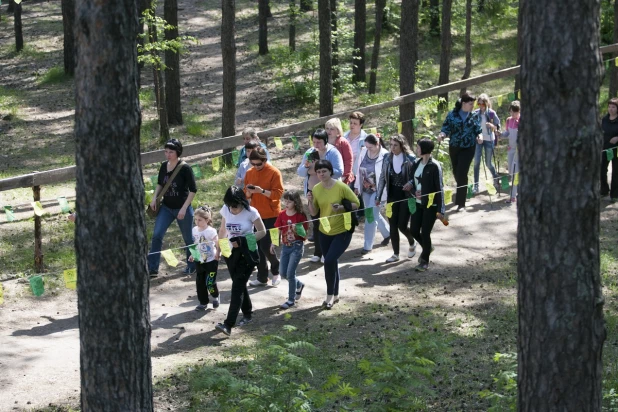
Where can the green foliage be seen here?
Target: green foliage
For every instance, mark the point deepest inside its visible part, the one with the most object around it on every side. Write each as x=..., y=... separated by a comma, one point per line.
x=504, y=398
x=392, y=15
x=54, y=75
x=296, y=72
x=146, y=97
x=195, y=127
x=344, y=35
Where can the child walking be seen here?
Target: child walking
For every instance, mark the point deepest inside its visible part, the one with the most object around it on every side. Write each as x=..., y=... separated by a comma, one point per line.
x=292, y=240
x=512, y=126
x=206, y=239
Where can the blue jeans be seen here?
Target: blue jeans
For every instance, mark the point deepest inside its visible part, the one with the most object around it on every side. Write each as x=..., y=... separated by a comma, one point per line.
x=488, y=145
x=332, y=248
x=164, y=219
x=378, y=220
x=288, y=262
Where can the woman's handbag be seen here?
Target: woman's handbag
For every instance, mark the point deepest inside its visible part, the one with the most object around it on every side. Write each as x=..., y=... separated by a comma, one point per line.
x=153, y=213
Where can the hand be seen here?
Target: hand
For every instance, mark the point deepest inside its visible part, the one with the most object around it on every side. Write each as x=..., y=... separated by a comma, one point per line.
x=479, y=139
x=407, y=187
x=234, y=244
x=181, y=213
x=441, y=137
x=238, y=181
x=418, y=194
x=153, y=204
x=356, y=192
x=614, y=140
x=272, y=249
x=310, y=197
x=336, y=206
x=367, y=185
x=217, y=255
x=307, y=164
x=191, y=259
x=256, y=189
x=377, y=203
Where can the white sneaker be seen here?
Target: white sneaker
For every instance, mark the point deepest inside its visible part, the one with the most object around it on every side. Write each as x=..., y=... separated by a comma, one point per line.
x=412, y=251
x=256, y=282
x=322, y=260
x=314, y=259
x=393, y=258
x=276, y=280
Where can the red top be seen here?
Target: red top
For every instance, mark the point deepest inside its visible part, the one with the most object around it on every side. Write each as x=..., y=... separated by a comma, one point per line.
x=348, y=159
x=286, y=223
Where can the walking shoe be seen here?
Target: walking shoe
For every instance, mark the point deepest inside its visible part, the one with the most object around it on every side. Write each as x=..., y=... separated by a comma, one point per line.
x=244, y=321
x=412, y=251
x=365, y=251
x=422, y=266
x=461, y=209
x=314, y=259
x=256, y=282
x=153, y=274
x=201, y=307
x=276, y=280
x=393, y=258
x=322, y=259
x=511, y=200
x=287, y=305
x=215, y=303
x=420, y=258
x=299, y=291
x=475, y=190
x=385, y=241
x=223, y=328
x=188, y=271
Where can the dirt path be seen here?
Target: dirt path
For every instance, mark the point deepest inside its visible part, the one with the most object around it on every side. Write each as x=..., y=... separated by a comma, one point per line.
x=39, y=355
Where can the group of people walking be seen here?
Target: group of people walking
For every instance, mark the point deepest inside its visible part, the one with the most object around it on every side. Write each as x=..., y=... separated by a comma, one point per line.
x=347, y=177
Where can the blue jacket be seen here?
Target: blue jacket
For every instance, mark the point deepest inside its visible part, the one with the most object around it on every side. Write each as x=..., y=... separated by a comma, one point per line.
x=332, y=155
x=462, y=134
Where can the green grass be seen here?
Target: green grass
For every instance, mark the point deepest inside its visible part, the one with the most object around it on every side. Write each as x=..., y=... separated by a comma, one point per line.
x=196, y=127
x=146, y=97
x=54, y=75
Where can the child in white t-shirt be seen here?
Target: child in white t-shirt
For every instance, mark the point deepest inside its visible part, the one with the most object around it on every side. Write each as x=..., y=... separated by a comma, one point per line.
x=206, y=239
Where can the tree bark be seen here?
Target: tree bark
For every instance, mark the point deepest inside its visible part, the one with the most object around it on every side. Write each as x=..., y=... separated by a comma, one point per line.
x=335, y=52
x=68, y=22
x=110, y=232
x=375, y=55
x=468, y=68
x=360, y=39
x=326, y=79
x=306, y=5
x=408, y=52
x=520, y=43
x=293, y=11
x=560, y=303
x=228, y=52
x=434, y=17
x=159, y=88
x=19, y=36
x=613, y=73
x=263, y=27
x=172, y=61
x=445, y=50
x=142, y=6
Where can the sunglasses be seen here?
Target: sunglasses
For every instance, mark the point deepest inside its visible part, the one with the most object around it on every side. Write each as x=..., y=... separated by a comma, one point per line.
x=257, y=164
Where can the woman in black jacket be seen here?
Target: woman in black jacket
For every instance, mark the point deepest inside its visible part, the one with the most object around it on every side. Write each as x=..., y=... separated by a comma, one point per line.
x=427, y=186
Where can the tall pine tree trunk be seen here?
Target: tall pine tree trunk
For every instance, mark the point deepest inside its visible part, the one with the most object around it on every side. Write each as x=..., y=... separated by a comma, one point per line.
x=560, y=302
x=172, y=61
x=408, y=52
x=142, y=5
x=263, y=27
x=326, y=66
x=468, y=68
x=375, y=55
x=19, y=36
x=434, y=17
x=613, y=72
x=293, y=12
x=110, y=231
x=68, y=22
x=159, y=88
x=445, y=50
x=333, y=28
x=228, y=52
x=360, y=39
x=520, y=43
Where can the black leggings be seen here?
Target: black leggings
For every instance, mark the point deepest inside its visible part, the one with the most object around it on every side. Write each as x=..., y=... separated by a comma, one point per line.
x=265, y=255
x=206, y=281
x=316, y=236
x=461, y=158
x=400, y=218
x=240, y=271
x=422, y=222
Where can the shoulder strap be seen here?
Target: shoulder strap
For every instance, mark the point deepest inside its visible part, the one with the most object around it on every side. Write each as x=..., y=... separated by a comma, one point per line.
x=171, y=179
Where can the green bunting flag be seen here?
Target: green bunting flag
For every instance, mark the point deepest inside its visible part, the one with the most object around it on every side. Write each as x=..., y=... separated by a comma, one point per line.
x=412, y=205
x=325, y=224
x=197, y=256
x=415, y=123
x=300, y=230
x=491, y=189
x=274, y=236
x=610, y=154
x=369, y=215
x=430, y=200
x=235, y=156
x=607, y=65
x=10, y=216
x=70, y=278
x=278, y=143
x=169, y=257
x=504, y=182
x=389, y=210
x=295, y=143
x=154, y=180
x=373, y=130
x=64, y=205
x=224, y=245
x=448, y=196
x=251, y=242
x=399, y=127
x=38, y=208
x=511, y=97
x=499, y=101
x=347, y=220
x=197, y=172
x=216, y=165
x=37, y=285
x=470, y=191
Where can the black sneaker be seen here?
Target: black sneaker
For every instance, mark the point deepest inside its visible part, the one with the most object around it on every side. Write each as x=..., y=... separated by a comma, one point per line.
x=244, y=321
x=215, y=303
x=201, y=307
x=299, y=291
x=385, y=241
x=153, y=274
x=223, y=328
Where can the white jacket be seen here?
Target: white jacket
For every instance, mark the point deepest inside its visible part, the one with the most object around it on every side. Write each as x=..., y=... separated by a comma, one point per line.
x=378, y=172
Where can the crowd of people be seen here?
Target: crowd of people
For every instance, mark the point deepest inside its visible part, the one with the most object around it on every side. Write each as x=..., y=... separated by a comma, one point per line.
x=348, y=177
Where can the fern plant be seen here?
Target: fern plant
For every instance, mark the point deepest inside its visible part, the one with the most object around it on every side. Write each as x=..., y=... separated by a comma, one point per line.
x=505, y=396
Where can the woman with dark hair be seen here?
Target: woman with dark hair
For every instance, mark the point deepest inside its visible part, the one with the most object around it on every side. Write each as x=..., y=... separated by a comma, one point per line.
x=321, y=150
x=464, y=128
x=238, y=219
x=331, y=199
x=609, y=124
x=368, y=176
x=176, y=205
x=490, y=126
x=395, y=178
x=427, y=180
